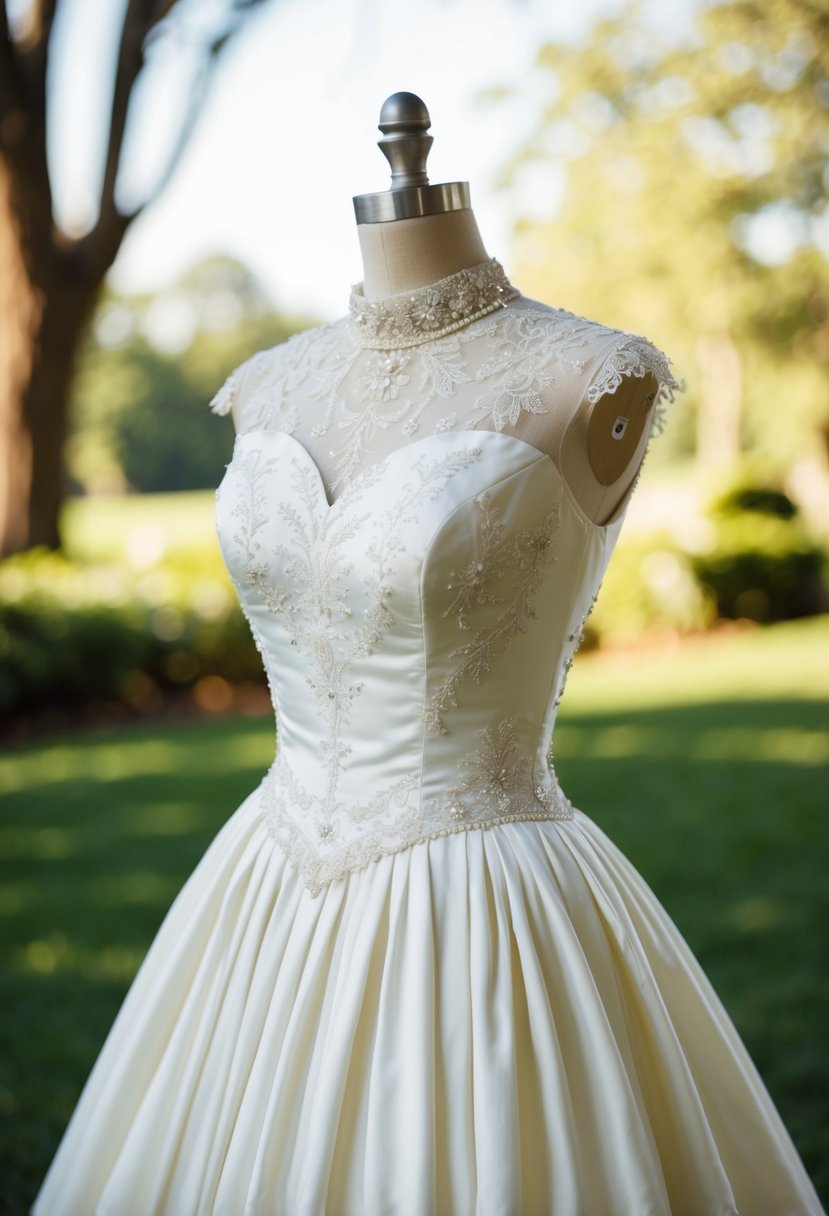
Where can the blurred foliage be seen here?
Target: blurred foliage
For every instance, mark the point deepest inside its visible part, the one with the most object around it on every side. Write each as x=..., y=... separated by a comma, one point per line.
x=755, y=560
x=78, y=634
x=763, y=568
x=762, y=564
x=140, y=607
x=149, y=367
x=649, y=586
x=691, y=163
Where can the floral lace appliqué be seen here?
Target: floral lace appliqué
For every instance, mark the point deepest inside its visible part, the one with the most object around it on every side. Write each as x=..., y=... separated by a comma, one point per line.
x=636, y=357
x=506, y=572
x=312, y=596
x=359, y=392
x=497, y=785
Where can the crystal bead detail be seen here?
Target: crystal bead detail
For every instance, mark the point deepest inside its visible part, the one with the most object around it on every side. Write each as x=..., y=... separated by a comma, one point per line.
x=413, y=317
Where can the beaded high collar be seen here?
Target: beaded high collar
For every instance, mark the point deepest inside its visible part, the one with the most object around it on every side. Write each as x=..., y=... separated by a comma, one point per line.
x=414, y=317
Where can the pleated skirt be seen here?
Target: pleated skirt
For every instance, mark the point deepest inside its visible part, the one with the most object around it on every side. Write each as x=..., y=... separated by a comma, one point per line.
x=503, y=1022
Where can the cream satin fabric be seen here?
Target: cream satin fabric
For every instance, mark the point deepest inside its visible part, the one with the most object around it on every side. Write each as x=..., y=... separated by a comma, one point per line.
x=492, y=1023
x=408, y=978
x=416, y=640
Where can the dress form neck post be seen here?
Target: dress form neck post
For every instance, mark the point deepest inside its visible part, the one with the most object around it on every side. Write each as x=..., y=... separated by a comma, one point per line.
x=413, y=234
x=402, y=255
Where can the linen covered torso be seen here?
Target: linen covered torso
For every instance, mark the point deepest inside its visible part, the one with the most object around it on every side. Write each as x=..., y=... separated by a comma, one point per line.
x=416, y=574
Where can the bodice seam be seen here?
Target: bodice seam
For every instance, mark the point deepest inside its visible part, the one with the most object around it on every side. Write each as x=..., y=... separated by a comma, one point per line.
x=328, y=869
x=370, y=469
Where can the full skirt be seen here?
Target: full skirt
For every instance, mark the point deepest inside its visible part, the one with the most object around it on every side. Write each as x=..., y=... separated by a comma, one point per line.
x=500, y=1022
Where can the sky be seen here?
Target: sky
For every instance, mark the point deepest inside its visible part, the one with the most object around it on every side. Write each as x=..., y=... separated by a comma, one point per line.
x=287, y=133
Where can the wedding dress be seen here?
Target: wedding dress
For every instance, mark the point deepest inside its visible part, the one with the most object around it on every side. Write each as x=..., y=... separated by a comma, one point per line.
x=409, y=977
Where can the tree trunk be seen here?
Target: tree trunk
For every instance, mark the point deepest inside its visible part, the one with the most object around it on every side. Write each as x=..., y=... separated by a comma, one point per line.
x=44, y=308
x=46, y=405
x=49, y=282
x=21, y=313
x=719, y=441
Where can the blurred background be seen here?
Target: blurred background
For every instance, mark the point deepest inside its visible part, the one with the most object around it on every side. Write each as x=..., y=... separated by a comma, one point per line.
x=175, y=194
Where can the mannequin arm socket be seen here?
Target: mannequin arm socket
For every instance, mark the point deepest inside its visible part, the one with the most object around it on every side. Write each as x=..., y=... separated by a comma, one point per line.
x=605, y=444
x=617, y=424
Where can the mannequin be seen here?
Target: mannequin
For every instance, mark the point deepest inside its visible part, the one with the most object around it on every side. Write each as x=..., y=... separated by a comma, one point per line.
x=415, y=233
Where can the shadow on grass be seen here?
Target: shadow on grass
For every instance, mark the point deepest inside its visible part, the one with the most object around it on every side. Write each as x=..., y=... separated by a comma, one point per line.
x=720, y=806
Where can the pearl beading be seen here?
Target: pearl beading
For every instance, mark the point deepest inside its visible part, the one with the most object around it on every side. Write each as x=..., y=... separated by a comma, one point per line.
x=544, y=804
x=413, y=317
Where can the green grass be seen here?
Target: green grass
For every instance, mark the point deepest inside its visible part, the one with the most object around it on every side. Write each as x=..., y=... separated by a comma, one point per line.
x=99, y=528
x=708, y=766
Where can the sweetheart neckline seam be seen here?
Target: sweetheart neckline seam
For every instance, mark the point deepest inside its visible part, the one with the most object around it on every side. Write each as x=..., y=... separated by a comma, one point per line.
x=602, y=530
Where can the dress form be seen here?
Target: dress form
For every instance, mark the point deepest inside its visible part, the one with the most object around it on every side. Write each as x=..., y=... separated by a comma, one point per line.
x=603, y=448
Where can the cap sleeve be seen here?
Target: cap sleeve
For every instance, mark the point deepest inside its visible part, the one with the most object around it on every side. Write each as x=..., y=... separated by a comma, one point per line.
x=635, y=355
x=223, y=401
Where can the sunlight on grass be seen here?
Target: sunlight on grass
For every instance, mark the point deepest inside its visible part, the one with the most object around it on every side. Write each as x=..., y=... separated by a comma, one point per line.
x=15, y=897
x=759, y=914
x=795, y=747
x=47, y=956
x=43, y=844
x=100, y=528
x=165, y=819
x=791, y=658
x=127, y=755
x=128, y=890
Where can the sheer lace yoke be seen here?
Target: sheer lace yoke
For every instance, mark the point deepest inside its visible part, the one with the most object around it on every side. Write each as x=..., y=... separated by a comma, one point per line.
x=470, y=353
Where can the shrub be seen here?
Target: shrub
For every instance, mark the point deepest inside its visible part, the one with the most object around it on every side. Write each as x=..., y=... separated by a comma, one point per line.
x=649, y=585
x=73, y=635
x=763, y=564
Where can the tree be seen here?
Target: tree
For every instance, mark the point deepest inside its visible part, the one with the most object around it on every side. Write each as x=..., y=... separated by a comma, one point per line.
x=51, y=280
x=681, y=149
x=146, y=367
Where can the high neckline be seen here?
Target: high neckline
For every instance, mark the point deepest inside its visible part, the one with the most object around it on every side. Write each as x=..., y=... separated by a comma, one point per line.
x=411, y=318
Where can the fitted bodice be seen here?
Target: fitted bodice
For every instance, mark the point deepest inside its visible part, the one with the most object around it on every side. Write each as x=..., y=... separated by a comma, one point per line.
x=416, y=635
x=416, y=631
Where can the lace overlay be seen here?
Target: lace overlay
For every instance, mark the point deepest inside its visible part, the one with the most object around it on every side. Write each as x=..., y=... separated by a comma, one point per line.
x=496, y=784
x=418, y=588
x=350, y=401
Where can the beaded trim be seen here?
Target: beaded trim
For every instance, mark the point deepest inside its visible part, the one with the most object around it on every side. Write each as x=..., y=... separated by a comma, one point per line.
x=543, y=804
x=430, y=312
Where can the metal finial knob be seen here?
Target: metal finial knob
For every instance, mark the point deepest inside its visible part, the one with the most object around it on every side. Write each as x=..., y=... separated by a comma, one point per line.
x=404, y=121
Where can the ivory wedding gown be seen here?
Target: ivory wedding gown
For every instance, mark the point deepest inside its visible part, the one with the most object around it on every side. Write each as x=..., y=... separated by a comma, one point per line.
x=408, y=977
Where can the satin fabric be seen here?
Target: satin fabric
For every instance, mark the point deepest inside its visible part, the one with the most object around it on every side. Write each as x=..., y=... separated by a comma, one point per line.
x=494, y=1023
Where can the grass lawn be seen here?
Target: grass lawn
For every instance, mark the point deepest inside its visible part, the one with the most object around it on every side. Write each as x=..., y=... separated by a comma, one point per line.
x=707, y=765
x=99, y=528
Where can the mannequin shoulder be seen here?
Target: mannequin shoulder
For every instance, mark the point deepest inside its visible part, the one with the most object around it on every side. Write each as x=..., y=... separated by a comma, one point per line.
x=609, y=361
x=226, y=397
x=250, y=389
x=631, y=368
